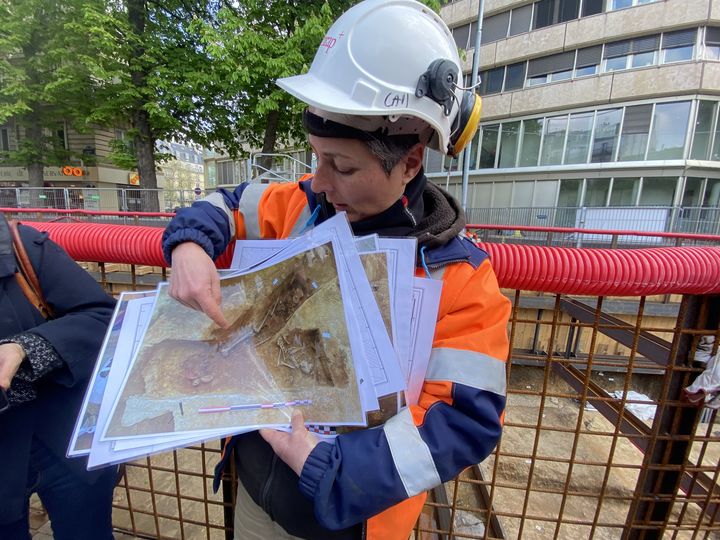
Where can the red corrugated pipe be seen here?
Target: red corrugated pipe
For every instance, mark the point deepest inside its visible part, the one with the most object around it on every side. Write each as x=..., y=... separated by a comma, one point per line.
x=597, y=272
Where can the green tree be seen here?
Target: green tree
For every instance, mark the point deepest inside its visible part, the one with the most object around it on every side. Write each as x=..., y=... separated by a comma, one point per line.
x=151, y=72
x=251, y=45
x=45, y=87
x=256, y=42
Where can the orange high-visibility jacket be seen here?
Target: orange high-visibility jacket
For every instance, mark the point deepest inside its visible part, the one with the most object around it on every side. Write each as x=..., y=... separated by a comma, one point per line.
x=381, y=475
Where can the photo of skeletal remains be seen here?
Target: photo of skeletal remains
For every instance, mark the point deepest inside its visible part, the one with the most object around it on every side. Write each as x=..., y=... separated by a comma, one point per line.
x=287, y=346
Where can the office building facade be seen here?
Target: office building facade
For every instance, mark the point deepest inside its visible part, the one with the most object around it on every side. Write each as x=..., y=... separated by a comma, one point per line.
x=592, y=104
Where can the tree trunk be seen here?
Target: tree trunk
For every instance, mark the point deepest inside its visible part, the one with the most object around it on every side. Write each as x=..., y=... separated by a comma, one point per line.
x=144, y=141
x=145, y=153
x=35, y=167
x=266, y=162
x=35, y=163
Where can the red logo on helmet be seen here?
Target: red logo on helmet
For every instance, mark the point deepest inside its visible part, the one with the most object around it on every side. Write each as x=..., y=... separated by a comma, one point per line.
x=329, y=42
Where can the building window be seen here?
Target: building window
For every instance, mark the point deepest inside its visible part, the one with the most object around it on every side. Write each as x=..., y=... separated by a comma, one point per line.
x=515, y=76
x=692, y=192
x=474, y=150
x=591, y=7
x=530, y=142
x=520, y=20
x=578, y=140
x=60, y=140
x=712, y=43
x=495, y=28
x=488, y=149
x=509, y=143
x=670, y=121
x=549, y=12
x=622, y=4
x=635, y=132
x=631, y=53
x=702, y=135
x=491, y=81
x=554, y=140
x=678, y=46
x=570, y=192
x=225, y=172
x=4, y=139
x=658, y=191
x=712, y=193
x=556, y=67
x=587, y=61
x=624, y=191
x=462, y=36
x=605, y=137
x=715, y=152
x=596, y=192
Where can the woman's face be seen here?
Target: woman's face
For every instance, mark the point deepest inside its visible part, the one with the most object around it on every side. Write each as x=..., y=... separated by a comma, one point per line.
x=353, y=179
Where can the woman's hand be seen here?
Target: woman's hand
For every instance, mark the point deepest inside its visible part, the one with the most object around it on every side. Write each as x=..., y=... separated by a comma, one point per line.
x=293, y=448
x=194, y=281
x=11, y=356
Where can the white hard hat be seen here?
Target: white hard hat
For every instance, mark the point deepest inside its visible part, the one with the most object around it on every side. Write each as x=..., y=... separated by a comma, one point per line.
x=391, y=59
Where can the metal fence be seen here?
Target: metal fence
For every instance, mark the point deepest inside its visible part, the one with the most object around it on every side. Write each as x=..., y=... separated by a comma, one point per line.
x=676, y=219
x=534, y=225
x=598, y=441
x=121, y=199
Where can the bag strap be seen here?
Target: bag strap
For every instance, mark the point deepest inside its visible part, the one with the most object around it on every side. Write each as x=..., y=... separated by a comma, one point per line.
x=26, y=277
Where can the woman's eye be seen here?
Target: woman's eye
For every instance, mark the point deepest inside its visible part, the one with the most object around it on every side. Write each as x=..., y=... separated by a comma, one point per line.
x=345, y=171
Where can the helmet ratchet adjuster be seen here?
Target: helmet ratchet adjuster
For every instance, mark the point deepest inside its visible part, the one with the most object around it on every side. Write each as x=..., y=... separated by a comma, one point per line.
x=438, y=83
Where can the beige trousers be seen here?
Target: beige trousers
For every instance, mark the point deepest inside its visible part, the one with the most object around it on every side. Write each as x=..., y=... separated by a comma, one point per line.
x=252, y=523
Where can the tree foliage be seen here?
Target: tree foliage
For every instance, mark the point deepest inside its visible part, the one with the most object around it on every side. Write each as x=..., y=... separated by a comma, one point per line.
x=45, y=85
x=253, y=44
x=193, y=71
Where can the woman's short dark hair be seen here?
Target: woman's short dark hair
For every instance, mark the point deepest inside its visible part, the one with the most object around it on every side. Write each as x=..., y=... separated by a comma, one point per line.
x=390, y=150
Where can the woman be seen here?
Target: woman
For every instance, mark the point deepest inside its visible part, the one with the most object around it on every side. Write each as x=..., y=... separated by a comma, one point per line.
x=44, y=369
x=383, y=86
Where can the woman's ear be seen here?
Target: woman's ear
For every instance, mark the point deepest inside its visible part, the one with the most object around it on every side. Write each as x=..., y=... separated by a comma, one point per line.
x=412, y=162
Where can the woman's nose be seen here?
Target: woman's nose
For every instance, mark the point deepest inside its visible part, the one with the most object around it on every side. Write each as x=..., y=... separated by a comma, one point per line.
x=321, y=180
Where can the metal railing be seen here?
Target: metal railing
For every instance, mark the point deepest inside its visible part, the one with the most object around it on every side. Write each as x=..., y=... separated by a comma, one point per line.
x=674, y=219
x=598, y=442
x=121, y=199
x=588, y=238
x=285, y=168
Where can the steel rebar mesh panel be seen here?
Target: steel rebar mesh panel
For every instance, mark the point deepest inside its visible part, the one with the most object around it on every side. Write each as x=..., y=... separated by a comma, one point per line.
x=598, y=440
x=170, y=495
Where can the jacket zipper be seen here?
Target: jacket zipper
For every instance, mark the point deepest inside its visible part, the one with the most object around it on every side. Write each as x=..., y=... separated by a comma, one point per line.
x=265, y=497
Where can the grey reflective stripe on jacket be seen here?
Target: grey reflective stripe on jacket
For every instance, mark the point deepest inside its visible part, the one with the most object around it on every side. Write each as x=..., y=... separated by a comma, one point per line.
x=470, y=368
x=411, y=456
x=248, y=207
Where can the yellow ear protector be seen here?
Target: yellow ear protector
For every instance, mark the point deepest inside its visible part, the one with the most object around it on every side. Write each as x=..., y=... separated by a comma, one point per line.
x=439, y=83
x=466, y=123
